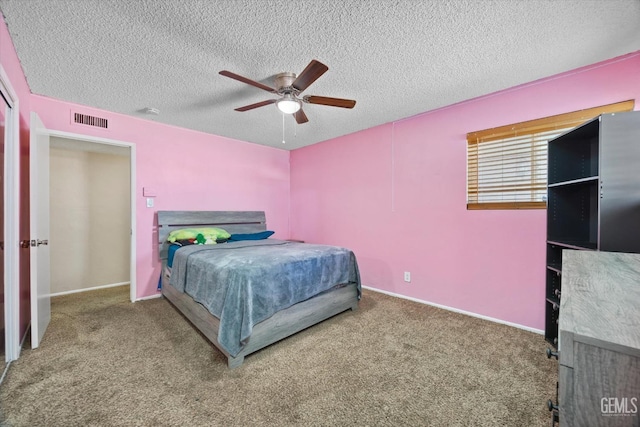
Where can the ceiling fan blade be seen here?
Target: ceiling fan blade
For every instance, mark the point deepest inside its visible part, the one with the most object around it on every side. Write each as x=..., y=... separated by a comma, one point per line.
x=309, y=75
x=332, y=102
x=246, y=80
x=256, y=105
x=300, y=116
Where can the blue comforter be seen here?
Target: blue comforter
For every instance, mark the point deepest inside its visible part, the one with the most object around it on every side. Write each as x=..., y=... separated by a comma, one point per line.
x=243, y=283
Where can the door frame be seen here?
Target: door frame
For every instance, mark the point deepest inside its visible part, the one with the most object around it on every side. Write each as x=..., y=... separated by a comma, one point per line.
x=132, y=160
x=11, y=221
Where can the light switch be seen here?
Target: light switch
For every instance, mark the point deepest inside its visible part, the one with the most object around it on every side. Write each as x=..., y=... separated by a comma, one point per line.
x=149, y=202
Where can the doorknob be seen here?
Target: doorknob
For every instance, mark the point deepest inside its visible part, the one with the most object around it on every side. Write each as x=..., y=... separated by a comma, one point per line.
x=24, y=244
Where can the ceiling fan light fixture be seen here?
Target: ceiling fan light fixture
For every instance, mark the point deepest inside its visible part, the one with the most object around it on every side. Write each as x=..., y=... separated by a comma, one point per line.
x=289, y=86
x=288, y=104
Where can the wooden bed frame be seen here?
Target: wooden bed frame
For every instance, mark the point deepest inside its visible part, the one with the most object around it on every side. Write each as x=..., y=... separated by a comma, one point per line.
x=282, y=324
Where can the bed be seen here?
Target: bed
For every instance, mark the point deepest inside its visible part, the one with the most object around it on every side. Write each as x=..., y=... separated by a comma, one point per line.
x=245, y=295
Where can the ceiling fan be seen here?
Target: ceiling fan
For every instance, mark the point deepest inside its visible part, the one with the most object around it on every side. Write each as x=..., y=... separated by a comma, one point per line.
x=289, y=87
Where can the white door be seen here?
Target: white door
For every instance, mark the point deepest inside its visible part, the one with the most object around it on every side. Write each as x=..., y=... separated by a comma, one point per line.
x=4, y=114
x=39, y=199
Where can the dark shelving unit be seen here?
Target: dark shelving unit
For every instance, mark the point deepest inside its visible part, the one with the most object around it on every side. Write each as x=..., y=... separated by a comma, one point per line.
x=593, y=197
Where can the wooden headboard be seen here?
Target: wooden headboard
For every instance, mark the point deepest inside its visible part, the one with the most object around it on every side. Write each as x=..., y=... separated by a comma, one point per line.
x=231, y=221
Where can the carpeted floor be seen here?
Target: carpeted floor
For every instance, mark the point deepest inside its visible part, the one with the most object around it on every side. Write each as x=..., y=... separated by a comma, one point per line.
x=107, y=362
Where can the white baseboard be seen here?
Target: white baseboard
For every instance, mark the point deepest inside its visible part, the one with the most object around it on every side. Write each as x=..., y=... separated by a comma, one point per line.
x=149, y=297
x=75, y=291
x=4, y=372
x=456, y=310
x=7, y=364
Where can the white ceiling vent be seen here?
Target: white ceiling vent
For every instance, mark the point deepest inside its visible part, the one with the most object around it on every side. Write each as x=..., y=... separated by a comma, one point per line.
x=85, y=119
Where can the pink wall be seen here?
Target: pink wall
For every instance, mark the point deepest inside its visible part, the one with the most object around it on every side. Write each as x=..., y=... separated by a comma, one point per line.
x=396, y=195
x=188, y=170
x=13, y=70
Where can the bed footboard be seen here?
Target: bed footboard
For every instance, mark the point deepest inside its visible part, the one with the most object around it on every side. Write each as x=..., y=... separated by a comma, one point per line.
x=279, y=326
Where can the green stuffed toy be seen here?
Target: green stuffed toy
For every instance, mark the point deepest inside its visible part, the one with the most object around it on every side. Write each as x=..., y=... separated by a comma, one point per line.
x=202, y=239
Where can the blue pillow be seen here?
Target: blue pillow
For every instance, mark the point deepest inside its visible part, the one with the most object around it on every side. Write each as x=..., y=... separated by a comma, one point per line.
x=251, y=236
x=172, y=251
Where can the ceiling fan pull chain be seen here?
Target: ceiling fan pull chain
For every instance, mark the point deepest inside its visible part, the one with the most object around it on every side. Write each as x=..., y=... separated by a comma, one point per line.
x=283, y=128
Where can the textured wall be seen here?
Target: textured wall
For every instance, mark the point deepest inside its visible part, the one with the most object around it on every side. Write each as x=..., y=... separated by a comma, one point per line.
x=396, y=195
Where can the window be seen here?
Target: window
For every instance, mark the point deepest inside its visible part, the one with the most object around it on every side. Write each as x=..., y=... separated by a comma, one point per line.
x=507, y=166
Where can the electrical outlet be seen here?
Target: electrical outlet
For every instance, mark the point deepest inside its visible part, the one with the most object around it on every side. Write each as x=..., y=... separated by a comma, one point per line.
x=407, y=276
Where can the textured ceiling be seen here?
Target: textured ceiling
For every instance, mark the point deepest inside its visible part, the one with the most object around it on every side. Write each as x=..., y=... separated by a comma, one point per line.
x=396, y=58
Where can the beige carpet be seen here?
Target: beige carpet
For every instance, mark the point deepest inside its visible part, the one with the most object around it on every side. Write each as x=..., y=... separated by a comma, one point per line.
x=107, y=362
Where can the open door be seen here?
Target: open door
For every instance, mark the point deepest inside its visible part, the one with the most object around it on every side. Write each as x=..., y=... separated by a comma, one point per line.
x=4, y=109
x=39, y=199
